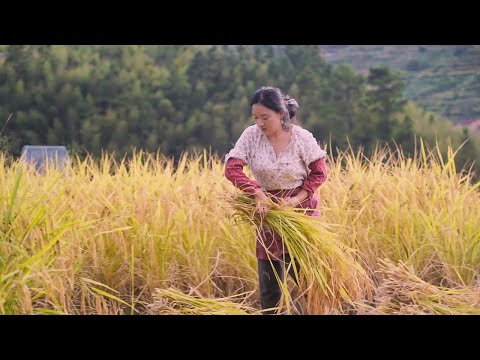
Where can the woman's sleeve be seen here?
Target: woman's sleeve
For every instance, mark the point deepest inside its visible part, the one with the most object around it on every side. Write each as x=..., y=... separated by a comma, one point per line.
x=317, y=176
x=311, y=150
x=242, y=147
x=234, y=173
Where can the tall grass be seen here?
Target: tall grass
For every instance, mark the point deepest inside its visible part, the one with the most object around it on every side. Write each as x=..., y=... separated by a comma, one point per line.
x=104, y=236
x=417, y=210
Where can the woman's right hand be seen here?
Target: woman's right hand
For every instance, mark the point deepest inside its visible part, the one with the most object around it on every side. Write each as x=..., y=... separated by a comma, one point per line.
x=262, y=201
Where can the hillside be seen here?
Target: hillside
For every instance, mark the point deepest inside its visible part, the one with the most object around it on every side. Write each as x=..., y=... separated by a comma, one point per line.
x=440, y=78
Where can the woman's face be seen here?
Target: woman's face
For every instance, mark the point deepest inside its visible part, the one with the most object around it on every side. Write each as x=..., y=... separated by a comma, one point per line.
x=266, y=119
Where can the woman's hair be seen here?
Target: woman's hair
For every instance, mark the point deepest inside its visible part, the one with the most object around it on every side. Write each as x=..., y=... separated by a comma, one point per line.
x=274, y=99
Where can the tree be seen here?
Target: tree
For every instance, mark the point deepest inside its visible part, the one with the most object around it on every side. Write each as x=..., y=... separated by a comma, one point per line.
x=404, y=135
x=385, y=97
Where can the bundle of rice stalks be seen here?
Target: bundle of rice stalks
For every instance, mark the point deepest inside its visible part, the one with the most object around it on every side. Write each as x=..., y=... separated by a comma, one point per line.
x=402, y=292
x=335, y=278
x=173, y=301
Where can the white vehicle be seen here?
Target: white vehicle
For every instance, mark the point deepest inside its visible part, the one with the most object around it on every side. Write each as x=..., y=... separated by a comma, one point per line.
x=42, y=156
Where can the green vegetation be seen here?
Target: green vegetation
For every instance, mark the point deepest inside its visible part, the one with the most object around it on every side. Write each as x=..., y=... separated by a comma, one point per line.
x=116, y=98
x=440, y=78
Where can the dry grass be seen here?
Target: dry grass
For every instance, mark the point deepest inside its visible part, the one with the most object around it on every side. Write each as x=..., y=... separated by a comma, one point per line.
x=402, y=292
x=103, y=237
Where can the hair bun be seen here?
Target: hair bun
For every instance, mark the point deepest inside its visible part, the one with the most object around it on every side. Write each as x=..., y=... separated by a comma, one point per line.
x=291, y=102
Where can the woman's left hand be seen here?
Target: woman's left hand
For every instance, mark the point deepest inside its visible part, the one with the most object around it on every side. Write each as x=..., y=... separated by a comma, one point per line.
x=289, y=201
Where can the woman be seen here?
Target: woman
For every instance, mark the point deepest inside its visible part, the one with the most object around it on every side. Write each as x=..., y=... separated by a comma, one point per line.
x=288, y=165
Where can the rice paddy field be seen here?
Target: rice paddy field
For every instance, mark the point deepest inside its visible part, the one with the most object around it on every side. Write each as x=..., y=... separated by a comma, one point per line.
x=149, y=235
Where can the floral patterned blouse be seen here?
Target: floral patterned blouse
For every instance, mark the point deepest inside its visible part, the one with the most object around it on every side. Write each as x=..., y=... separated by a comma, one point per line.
x=299, y=166
x=289, y=170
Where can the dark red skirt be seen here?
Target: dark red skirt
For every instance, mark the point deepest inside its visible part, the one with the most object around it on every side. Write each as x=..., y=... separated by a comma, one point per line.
x=269, y=243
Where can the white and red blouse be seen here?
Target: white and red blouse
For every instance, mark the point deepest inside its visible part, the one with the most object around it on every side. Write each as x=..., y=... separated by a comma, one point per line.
x=300, y=165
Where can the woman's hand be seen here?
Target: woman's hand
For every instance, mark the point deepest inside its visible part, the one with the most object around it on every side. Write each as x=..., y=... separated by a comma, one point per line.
x=294, y=201
x=262, y=209
x=289, y=201
x=262, y=201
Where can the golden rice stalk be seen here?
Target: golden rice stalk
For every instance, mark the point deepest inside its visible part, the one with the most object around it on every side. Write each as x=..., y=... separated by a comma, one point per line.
x=402, y=292
x=173, y=301
x=335, y=277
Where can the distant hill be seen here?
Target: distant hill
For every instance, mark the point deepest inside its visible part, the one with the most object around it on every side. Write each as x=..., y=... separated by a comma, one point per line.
x=441, y=78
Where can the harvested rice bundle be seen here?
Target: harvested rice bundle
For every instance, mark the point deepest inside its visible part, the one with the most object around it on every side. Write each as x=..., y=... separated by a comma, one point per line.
x=173, y=301
x=402, y=292
x=332, y=270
